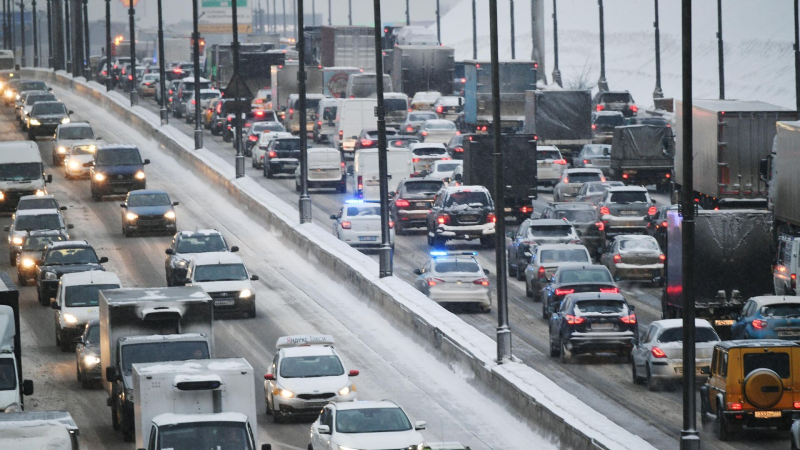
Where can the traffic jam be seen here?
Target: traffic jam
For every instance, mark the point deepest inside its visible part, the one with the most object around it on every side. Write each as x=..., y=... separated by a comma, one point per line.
x=593, y=215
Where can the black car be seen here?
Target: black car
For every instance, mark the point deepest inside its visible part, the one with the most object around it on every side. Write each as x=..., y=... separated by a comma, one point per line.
x=456, y=146
x=411, y=202
x=60, y=258
x=463, y=212
x=219, y=118
x=621, y=101
x=186, y=244
x=45, y=117
x=254, y=133
x=148, y=211
x=283, y=156
x=87, y=355
x=585, y=219
x=577, y=278
x=116, y=170
x=593, y=323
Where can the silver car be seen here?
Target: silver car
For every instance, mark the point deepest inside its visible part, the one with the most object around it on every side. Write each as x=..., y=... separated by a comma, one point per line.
x=455, y=277
x=437, y=131
x=545, y=260
x=658, y=356
x=624, y=210
x=592, y=192
x=594, y=156
x=572, y=180
x=634, y=257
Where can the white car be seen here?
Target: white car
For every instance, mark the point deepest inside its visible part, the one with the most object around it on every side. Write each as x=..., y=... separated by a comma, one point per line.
x=81, y=152
x=225, y=278
x=455, y=277
x=259, y=151
x=549, y=164
x=66, y=136
x=359, y=224
x=423, y=155
x=437, y=131
x=365, y=425
x=424, y=100
x=443, y=169
x=76, y=303
x=306, y=375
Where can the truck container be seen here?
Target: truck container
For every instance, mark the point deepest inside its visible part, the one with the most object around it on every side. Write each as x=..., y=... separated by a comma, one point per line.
x=733, y=255
x=12, y=395
x=364, y=85
x=283, y=82
x=516, y=77
x=149, y=325
x=561, y=118
x=255, y=61
x=519, y=169
x=730, y=138
x=642, y=155
x=346, y=46
x=51, y=430
x=422, y=68
x=334, y=80
x=192, y=388
x=176, y=50
x=784, y=184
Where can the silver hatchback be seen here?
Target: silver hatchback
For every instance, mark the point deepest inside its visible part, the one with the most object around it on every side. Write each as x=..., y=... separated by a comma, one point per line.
x=572, y=180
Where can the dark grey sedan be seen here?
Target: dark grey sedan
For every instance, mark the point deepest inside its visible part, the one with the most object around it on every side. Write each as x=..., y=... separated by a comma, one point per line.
x=594, y=156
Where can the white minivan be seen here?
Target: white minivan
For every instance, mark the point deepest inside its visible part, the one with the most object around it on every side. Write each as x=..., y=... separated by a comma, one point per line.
x=784, y=273
x=21, y=173
x=353, y=116
x=77, y=303
x=326, y=169
x=366, y=176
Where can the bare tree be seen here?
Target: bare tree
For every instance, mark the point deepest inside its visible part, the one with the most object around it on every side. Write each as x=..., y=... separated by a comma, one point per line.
x=583, y=80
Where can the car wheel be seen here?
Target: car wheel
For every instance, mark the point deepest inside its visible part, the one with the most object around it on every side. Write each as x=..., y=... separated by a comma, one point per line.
x=85, y=382
x=31, y=136
x=566, y=357
x=555, y=350
x=723, y=433
x=487, y=242
x=267, y=171
x=21, y=280
x=634, y=376
x=267, y=406
x=64, y=343
x=58, y=338
x=398, y=229
x=12, y=259
x=652, y=384
x=439, y=242
x=126, y=232
x=520, y=271
x=114, y=420
x=512, y=270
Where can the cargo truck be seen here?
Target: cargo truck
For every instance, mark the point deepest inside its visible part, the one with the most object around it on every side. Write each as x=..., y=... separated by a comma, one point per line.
x=255, y=61
x=516, y=77
x=780, y=170
x=642, y=155
x=283, y=83
x=561, y=118
x=199, y=394
x=732, y=257
x=346, y=46
x=422, y=68
x=51, y=430
x=149, y=325
x=176, y=50
x=334, y=80
x=13, y=387
x=519, y=170
x=730, y=138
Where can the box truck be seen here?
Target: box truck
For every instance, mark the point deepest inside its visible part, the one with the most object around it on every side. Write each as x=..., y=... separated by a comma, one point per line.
x=516, y=78
x=560, y=117
x=51, y=430
x=422, y=68
x=13, y=388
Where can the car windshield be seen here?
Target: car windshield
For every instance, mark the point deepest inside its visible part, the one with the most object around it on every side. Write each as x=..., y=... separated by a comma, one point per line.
x=31, y=86
x=600, y=307
x=220, y=272
x=430, y=187
x=776, y=361
x=638, y=244
x=85, y=295
x=66, y=256
x=34, y=99
x=119, y=157
x=201, y=244
x=37, y=243
x=371, y=420
x=701, y=334
x=395, y=104
x=576, y=255
x=20, y=171
x=612, y=120
x=781, y=310
x=543, y=155
x=549, y=231
x=576, y=215
x=585, y=276
x=597, y=150
x=429, y=151
x=625, y=197
x=93, y=336
x=149, y=200
x=449, y=167
x=457, y=266
x=287, y=144
x=204, y=435
x=356, y=211
x=37, y=222
x=208, y=95
x=48, y=108
x=616, y=97
x=267, y=126
x=8, y=376
x=83, y=150
x=475, y=199
x=150, y=352
x=583, y=177
x=38, y=203
x=421, y=117
x=311, y=366
x=440, y=125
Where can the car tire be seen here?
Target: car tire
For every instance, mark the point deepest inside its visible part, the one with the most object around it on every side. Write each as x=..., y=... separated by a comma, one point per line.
x=268, y=172
x=439, y=242
x=528, y=290
x=635, y=376
x=564, y=355
x=487, y=242
x=723, y=433
x=398, y=229
x=226, y=137
x=555, y=351
x=85, y=382
x=520, y=271
x=126, y=232
x=114, y=422
x=12, y=259
x=78, y=371
x=512, y=270
x=214, y=131
x=267, y=407
x=64, y=344
x=652, y=384
x=252, y=312
x=22, y=281
x=31, y=136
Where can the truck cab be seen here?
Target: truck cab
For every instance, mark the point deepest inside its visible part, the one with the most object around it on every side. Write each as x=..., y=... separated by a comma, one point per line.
x=207, y=430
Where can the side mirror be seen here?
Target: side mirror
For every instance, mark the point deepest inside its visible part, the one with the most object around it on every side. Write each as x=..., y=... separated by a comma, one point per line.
x=111, y=374
x=146, y=162
x=234, y=249
x=333, y=216
x=54, y=305
x=653, y=201
x=254, y=277
x=323, y=429
x=70, y=112
x=169, y=251
x=103, y=260
x=27, y=387
x=269, y=376
x=78, y=340
x=63, y=208
x=486, y=271
x=88, y=164
x=705, y=370
x=70, y=226
x=99, y=138
x=632, y=308
x=48, y=179
x=420, y=425
x=122, y=205
x=353, y=373
x=176, y=203
x=417, y=272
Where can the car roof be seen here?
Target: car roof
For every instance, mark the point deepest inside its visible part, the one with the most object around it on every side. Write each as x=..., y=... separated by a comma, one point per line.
x=36, y=212
x=547, y=222
x=214, y=258
x=764, y=300
x=678, y=323
x=608, y=113
x=75, y=125
x=582, y=170
x=585, y=296
x=435, y=121
x=361, y=404
x=561, y=206
x=49, y=102
x=309, y=350
x=546, y=147
x=147, y=192
x=34, y=196
x=560, y=247
x=68, y=244
x=627, y=188
x=417, y=145
x=634, y=237
x=754, y=343
x=34, y=233
x=89, y=277
x=582, y=266
x=112, y=147
x=190, y=233
x=475, y=188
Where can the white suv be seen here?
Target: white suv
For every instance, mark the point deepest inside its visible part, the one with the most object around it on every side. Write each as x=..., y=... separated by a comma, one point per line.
x=550, y=165
x=225, y=278
x=355, y=425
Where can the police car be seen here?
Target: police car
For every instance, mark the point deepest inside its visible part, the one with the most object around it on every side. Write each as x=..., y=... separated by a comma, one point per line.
x=455, y=277
x=358, y=223
x=306, y=375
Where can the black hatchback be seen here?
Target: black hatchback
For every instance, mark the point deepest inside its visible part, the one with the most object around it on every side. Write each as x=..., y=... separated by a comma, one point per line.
x=574, y=279
x=45, y=117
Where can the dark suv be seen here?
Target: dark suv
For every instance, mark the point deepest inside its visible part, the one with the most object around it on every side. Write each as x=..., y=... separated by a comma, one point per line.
x=583, y=216
x=60, y=258
x=283, y=156
x=45, y=117
x=603, y=124
x=621, y=101
x=410, y=205
x=576, y=278
x=463, y=212
x=116, y=170
x=185, y=245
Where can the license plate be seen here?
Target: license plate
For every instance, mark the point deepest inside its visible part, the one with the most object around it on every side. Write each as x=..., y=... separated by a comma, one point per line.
x=723, y=323
x=224, y=302
x=290, y=165
x=120, y=190
x=788, y=333
x=602, y=326
x=468, y=218
x=627, y=213
x=316, y=404
x=368, y=238
x=421, y=205
x=768, y=414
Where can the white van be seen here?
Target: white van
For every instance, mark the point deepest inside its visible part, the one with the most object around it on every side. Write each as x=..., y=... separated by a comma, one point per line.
x=292, y=117
x=784, y=273
x=365, y=171
x=325, y=127
x=363, y=85
x=326, y=169
x=353, y=116
x=21, y=173
x=77, y=303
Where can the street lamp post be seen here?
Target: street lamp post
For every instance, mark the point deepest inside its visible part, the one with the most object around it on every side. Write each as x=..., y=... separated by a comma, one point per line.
x=385, y=251
x=556, y=72
x=132, y=24
x=284, y=19
x=109, y=66
x=474, y=31
x=5, y=29
x=720, y=51
x=313, y=14
x=657, y=93
x=330, y=13
x=22, y=31
x=162, y=72
x=294, y=11
x=350, y=12
x=305, y=201
x=198, y=129
x=602, y=84
x=408, y=13
x=797, y=56
x=35, y=35
x=49, y=34
x=87, y=71
x=237, y=113
x=513, y=40
x=68, y=27
x=438, y=23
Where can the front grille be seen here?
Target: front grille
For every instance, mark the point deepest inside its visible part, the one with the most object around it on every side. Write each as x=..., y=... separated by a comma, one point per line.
x=324, y=396
x=120, y=179
x=230, y=294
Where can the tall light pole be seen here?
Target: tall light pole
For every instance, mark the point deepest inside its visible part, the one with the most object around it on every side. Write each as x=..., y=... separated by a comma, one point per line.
x=274, y=17
x=313, y=14
x=503, y=330
x=330, y=13
x=77, y=46
x=657, y=93
x=5, y=27
x=237, y=112
x=350, y=12
x=474, y=31
x=109, y=66
x=87, y=71
x=438, y=23
x=294, y=11
x=22, y=31
x=513, y=39
x=556, y=72
x=602, y=84
x=385, y=251
x=797, y=57
x=68, y=27
x=305, y=201
x=198, y=128
x=132, y=24
x=35, y=35
x=162, y=67
x=284, y=19
x=408, y=13
x=720, y=51
x=49, y=34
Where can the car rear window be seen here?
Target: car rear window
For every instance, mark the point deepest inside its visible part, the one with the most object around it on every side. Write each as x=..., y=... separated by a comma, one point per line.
x=476, y=199
x=616, y=97
x=629, y=197
x=600, y=307
x=419, y=187
x=429, y=151
x=583, y=177
x=577, y=215
x=542, y=155
x=615, y=120
x=568, y=255
x=446, y=167
x=329, y=113
x=550, y=231
x=782, y=310
x=421, y=117
x=440, y=126
x=585, y=276
x=395, y=104
x=638, y=244
x=701, y=334
x=596, y=150
x=353, y=211
x=776, y=361
x=287, y=144
x=457, y=266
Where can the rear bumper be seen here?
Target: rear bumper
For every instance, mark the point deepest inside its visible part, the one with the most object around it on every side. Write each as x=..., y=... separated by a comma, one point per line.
x=601, y=341
x=465, y=232
x=408, y=217
x=738, y=419
x=282, y=165
x=638, y=272
x=482, y=296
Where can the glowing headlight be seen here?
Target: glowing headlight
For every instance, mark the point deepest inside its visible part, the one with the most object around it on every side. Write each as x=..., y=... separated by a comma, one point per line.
x=92, y=148
x=181, y=263
x=74, y=165
x=35, y=122
x=50, y=276
x=28, y=263
x=131, y=216
x=69, y=318
x=139, y=175
x=344, y=391
x=65, y=120
x=39, y=192
x=245, y=293
x=341, y=447
x=285, y=393
x=91, y=360
x=16, y=97
x=170, y=215
x=99, y=177
x=2, y=196
x=62, y=150
x=16, y=240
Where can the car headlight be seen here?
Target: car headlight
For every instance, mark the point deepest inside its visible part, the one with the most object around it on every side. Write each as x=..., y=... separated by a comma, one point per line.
x=50, y=276
x=28, y=263
x=65, y=120
x=92, y=148
x=62, y=150
x=285, y=393
x=347, y=389
x=342, y=447
x=16, y=97
x=17, y=240
x=69, y=318
x=139, y=175
x=35, y=122
x=2, y=195
x=40, y=192
x=181, y=263
x=91, y=360
x=170, y=215
x=246, y=293
x=99, y=177
x=74, y=165
x=131, y=216
x=9, y=94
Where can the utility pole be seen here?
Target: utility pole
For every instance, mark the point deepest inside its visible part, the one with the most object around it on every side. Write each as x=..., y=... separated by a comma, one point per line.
x=350, y=12
x=22, y=31
x=657, y=93
x=131, y=18
x=513, y=39
x=538, y=37
x=77, y=44
x=385, y=251
x=56, y=35
x=35, y=35
x=294, y=11
x=690, y=440
x=313, y=14
x=602, y=84
x=285, y=28
x=87, y=54
x=474, y=31
x=438, y=24
x=238, y=114
x=5, y=28
x=109, y=66
x=274, y=17
x=49, y=35
x=330, y=13
x=162, y=67
x=305, y=201
x=408, y=13
x=797, y=57
x=556, y=72
x=68, y=27
x=198, y=127
x=720, y=52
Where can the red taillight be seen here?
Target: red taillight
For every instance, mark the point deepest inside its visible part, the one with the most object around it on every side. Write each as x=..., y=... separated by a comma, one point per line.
x=658, y=353
x=565, y=180
x=574, y=320
x=341, y=134
x=219, y=107
x=481, y=281
x=600, y=226
x=291, y=113
x=794, y=281
x=651, y=211
x=319, y=123
x=662, y=257
x=634, y=108
x=409, y=129
x=424, y=133
x=664, y=224
x=625, y=176
x=105, y=72
x=604, y=210
x=415, y=160
x=439, y=109
x=541, y=273
x=259, y=113
x=272, y=154
x=594, y=126
x=247, y=124
x=617, y=259
x=491, y=218
x=630, y=320
x=391, y=224
x=366, y=142
x=525, y=209
x=432, y=282
x=170, y=92
x=735, y=406
x=259, y=101
x=796, y=405
x=177, y=70
x=560, y=292
x=130, y=77
x=443, y=219
x=759, y=324
x=612, y=290
x=560, y=162
x=253, y=138
x=459, y=149
x=360, y=182
x=402, y=203
x=586, y=161
x=346, y=225
x=446, y=158
x=599, y=108
x=667, y=176
x=194, y=102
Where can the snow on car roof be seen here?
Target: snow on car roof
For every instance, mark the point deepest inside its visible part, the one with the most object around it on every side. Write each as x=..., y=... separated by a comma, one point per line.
x=608, y=113
x=627, y=188
x=365, y=405
x=547, y=223
x=182, y=294
x=89, y=277
x=581, y=170
x=75, y=125
x=176, y=419
x=417, y=145
x=36, y=212
x=678, y=323
x=214, y=258
x=452, y=189
x=765, y=300
x=60, y=244
x=164, y=337
x=312, y=350
x=209, y=232
x=196, y=365
x=546, y=147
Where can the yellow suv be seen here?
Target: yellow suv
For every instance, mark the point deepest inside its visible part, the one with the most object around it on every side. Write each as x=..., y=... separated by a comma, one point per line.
x=751, y=383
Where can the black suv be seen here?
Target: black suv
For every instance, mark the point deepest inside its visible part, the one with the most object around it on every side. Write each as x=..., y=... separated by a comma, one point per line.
x=410, y=204
x=45, y=117
x=584, y=217
x=116, y=170
x=576, y=278
x=463, y=212
x=283, y=156
x=621, y=101
x=60, y=258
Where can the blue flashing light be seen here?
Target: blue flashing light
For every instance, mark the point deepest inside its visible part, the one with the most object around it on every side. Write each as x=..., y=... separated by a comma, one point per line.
x=354, y=202
x=438, y=253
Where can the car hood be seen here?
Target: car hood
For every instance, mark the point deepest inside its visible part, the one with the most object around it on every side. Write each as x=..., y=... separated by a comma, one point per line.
x=119, y=169
x=150, y=210
x=315, y=385
x=72, y=268
x=379, y=441
x=224, y=286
